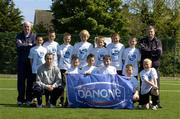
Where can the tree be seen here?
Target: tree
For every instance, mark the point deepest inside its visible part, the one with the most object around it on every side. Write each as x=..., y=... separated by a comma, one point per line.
x=97, y=16
x=10, y=17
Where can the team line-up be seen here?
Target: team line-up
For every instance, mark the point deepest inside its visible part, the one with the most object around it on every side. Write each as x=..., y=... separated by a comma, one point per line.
x=44, y=64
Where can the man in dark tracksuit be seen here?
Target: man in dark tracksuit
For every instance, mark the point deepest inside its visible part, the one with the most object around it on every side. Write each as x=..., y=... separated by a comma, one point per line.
x=24, y=42
x=151, y=48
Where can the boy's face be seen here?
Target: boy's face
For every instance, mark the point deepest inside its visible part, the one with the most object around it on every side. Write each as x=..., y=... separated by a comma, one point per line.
x=84, y=37
x=129, y=71
x=146, y=65
x=49, y=60
x=100, y=43
x=39, y=40
x=115, y=39
x=76, y=63
x=91, y=61
x=67, y=39
x=52, y=36
x=107, y=61
x=132, y=42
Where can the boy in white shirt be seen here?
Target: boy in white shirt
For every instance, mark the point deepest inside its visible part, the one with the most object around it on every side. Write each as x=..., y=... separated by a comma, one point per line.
x=90, y=68
x=37, y=58
x=107, y=68
x=149, y=85
x=64, y=53
x=52, y=46
x=82, y=49
x=133, y=80
x=116, y=51
x=132, y=56
x=99, y=51
x=74, y=69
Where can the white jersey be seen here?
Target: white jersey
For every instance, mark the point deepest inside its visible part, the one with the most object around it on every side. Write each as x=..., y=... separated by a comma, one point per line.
x=88, y=69
x=99, y=54
x=73, y=70
x=106, y=70
x=147, y=75
x=64, y=53
x=37, y=54
x=52, y=48
x=134, y=83
x=131, y=56
x=116, y=52
x=82, y=50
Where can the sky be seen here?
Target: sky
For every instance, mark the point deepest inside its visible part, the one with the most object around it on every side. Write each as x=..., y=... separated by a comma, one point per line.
x=28, y=7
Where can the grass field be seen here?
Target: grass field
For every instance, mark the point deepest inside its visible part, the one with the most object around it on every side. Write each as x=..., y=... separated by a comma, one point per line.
x=170, y=100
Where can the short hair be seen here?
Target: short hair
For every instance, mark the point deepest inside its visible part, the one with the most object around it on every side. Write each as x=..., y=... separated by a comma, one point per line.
x=131, y=38
x=115, y=34
x=74, y=57
x=28, y=23
x=84, y=32
x=107, y=56
x=100, y=37
x=51, y=31
x=147, y=60
x=66, y=34
x=90, y=56
x=151, y=27
x=37, y=36
x=128, y=66
x=48, y=54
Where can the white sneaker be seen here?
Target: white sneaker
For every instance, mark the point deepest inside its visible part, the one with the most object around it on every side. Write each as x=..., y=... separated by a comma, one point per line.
x=147, y=106
x=154, y=107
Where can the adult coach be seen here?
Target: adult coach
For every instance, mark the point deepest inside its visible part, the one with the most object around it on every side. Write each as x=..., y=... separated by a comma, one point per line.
x=151, y=48
x=48, y=82
x=24, y=42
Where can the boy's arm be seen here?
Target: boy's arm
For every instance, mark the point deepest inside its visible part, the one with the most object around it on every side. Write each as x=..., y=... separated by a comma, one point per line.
x=151, y=83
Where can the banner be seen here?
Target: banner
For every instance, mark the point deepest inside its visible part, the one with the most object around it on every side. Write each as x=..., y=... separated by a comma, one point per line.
x=101, y=91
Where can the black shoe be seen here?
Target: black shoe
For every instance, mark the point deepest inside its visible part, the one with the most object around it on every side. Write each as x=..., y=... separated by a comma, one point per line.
x=159, y=106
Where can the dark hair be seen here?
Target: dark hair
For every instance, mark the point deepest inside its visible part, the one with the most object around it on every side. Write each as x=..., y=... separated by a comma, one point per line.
x=37, y=36
x=107, y=56
x=90, y=56
x=51, y=31
x=74, y=57
x=48, y=54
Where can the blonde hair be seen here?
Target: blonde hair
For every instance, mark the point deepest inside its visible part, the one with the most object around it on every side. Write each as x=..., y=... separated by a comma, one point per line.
x=100, y=38
x=84, y=32
x=147, y=60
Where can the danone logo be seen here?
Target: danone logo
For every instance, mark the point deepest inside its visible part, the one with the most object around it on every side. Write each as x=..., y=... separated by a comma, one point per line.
x=100, y=94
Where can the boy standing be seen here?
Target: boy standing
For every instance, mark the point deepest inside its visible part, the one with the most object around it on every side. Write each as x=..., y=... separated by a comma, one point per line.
x=37, y=57
x=52, y=46
x=116, y=51
x=132, y=56
x=82, y=49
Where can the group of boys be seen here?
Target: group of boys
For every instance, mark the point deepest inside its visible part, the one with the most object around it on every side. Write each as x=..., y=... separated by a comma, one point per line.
x=51, y=61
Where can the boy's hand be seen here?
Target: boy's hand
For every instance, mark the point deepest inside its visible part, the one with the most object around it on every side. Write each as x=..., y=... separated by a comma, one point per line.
x=50, y=88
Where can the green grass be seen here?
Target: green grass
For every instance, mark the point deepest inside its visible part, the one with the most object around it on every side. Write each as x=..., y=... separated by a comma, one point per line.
x=170, y=100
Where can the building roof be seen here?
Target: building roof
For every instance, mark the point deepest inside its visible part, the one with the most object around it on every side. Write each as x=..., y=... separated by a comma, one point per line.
x=43, y=17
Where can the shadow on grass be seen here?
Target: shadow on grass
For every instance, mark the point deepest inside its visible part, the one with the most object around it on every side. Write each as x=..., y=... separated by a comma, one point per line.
x=15, y=105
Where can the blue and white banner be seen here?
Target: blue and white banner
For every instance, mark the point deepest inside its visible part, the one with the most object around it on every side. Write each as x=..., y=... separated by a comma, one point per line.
x=101, y=91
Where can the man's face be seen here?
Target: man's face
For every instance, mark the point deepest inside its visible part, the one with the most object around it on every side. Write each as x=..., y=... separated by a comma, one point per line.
x=67, y=39
x=27, y=28
x=49, y=60
x=151, y=33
